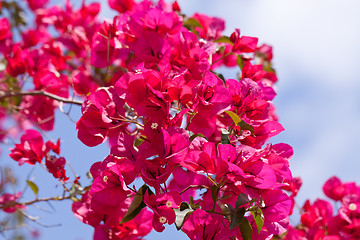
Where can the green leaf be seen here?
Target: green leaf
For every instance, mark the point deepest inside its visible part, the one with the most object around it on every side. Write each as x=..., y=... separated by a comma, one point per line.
x=259, y=218
x=236, y=216
x=224, y=39
x=89, y=175
x=219, y=75
x=225, y=136
x=183, y=206
x=245, y=229
x=195, y=135
x=244, y=126
x=191, y=23
x=136, y=205
x=241, y=200
x=75, y=189
x=33, y=187
x=138, y=141
x=240, y=61
x=191, y=202
x=236, y=119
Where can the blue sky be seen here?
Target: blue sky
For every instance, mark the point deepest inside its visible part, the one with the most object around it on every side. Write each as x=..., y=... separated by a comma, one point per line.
x=316, y=57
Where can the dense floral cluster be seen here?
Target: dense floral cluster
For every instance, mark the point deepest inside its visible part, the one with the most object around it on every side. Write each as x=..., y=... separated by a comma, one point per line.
x=193, y=138
x=318, y=220
x=187, y=146
x=32, y=149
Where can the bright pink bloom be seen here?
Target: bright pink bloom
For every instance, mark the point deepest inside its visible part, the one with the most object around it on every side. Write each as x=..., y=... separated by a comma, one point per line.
x=277, y=205
x=162, y=22
x=201, y=156
x=4, y=29
x=33, y=37
x=122, y=5
x=54, y=147
x=109, y=193
x=265, y=51
x=102, y=117
x=84, y=213
x=334, y=188
x=135, y=229
x=56, y=166
x=316, y=215
x=83, y=84
x=39, y=109
x=202, y=225
x=8, y=202
x=211, y=28
x=105, y=46
x=36, y=4
x=142, y=91
x=16, y=62
x=52, y=82
x=162, y=206
x=182, y=179
x=30, y=150
x=243, y=44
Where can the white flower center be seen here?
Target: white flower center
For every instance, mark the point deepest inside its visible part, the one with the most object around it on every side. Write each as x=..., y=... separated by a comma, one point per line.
x=352, y=206
x=162, y=219
x=105, y=178
x=169, y=204
x=154, y=125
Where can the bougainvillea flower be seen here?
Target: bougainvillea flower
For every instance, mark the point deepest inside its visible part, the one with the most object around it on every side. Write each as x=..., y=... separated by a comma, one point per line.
x=103, y=116
x=36, y=4
x=243, y=44
x=211, y=27
x=122, y=5
x=135, y=229
x=8, y=202
x=84, y=213
x=334, y=189
x=52, y=82
x=200, y=225
x=4, y=29
x=31, y=149
x=55, y=166
x=108, y=190
x=40, y=110
x=16, y=62
x=162, y=206
x=83, y=84
x=105, y=46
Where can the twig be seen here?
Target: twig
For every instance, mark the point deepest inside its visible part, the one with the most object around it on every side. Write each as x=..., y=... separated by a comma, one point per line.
x=41, y=93
x=35, y=220
x=35, y=201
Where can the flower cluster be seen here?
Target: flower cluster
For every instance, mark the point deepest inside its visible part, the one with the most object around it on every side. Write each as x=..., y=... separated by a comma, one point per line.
x=32, y=150
x=318, y=220
x=195, y=139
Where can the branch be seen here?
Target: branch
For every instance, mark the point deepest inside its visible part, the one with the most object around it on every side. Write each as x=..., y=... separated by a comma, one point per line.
x=14, y=204
x=45, y=200
x=41, y=93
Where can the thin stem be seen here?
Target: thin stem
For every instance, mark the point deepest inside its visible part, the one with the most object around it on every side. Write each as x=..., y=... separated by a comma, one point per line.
x=41, y=93
x=223, y=56
x=45, y=200
x=193, y=186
